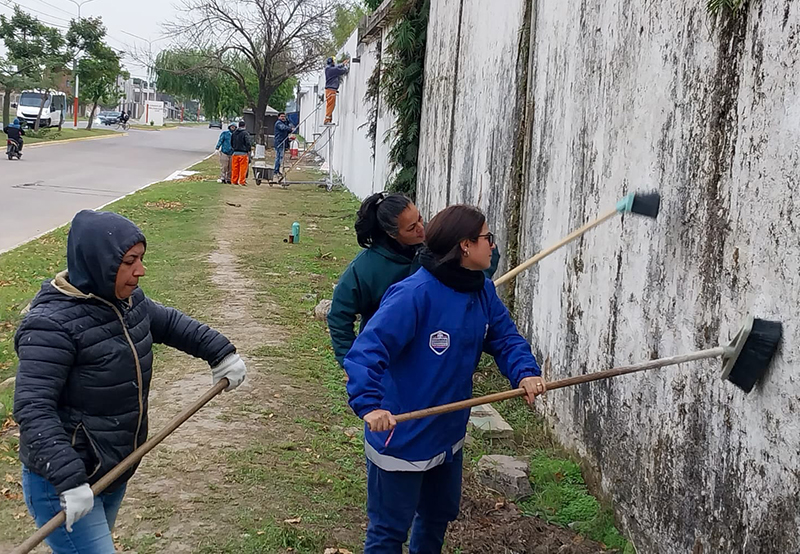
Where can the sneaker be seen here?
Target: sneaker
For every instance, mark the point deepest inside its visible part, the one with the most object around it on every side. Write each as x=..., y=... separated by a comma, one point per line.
x=221, y=181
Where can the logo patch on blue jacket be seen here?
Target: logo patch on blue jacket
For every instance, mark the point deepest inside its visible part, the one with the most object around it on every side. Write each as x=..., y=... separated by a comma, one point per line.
x=439, y=342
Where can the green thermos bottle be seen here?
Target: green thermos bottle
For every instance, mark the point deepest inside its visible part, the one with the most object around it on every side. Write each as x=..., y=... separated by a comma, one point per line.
x=295, y=232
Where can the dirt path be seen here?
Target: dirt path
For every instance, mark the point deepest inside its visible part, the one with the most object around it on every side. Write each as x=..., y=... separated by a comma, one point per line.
x=183, y=493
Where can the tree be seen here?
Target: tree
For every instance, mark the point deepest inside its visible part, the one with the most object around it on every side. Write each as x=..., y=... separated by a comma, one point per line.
x=283, y=94
x=98, y=75
x=98, y=64
x=36, y=55
x=345, y=21
x=11, y=78
x=277, y=39
x=183, y=73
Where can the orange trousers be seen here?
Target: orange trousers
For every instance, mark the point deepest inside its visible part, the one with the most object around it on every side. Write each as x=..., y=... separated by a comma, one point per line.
x=239, y=163
x=330, y=103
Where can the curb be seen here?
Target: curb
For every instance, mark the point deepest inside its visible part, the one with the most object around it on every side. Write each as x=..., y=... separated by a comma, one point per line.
x=79, y=139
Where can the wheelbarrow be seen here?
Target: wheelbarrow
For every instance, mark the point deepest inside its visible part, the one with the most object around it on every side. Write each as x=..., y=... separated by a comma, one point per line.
x=262, y=173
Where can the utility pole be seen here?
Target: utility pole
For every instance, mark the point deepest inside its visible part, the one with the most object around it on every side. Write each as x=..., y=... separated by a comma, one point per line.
x=75, y=67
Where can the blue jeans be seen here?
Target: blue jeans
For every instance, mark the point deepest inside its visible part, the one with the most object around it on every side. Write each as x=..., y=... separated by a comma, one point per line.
x=279, y=150
x=425, y=501
x=90, y=534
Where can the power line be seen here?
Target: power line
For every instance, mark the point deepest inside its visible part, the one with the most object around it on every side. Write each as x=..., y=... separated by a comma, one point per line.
x=8, y=4
x=47, y=14
x=55, y=7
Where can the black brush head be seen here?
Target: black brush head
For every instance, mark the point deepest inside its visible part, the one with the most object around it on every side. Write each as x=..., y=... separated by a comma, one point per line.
x=646, y=204
x=758, y=351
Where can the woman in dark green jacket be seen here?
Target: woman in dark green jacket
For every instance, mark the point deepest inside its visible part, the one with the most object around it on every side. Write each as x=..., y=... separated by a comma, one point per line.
x=390, y=229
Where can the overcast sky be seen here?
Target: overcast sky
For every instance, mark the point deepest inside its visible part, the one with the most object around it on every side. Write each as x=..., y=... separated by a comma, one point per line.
x=140, y=17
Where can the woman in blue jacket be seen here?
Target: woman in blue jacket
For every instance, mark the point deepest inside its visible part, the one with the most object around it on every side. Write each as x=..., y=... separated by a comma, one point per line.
x=85, y=363
x=420, y=349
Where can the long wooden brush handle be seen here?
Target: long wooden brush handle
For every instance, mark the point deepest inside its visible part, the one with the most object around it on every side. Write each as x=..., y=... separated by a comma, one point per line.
x=58, y=520
x=561, y=383
x=546, y=252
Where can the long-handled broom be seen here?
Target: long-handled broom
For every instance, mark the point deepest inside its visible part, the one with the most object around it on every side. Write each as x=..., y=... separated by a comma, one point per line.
x=744, y=362
x=635, y=203
x=59, y=519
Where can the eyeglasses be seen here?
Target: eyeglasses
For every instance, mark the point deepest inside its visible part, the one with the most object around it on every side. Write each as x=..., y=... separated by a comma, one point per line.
x=489, y=237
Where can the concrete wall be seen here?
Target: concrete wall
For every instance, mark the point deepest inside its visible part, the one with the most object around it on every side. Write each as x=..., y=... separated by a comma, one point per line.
x=470, y=109
x=623, y=97
x=353, y=162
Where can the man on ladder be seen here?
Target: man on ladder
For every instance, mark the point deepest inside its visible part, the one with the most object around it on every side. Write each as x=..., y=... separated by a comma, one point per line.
x=333, y=73
x=281, y=134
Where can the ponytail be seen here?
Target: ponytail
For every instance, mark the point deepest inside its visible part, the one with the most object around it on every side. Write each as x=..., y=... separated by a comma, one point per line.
x=378, y=215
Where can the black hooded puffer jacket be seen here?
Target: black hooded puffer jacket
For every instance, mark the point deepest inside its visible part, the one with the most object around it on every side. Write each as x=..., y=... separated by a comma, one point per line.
x=85, y=359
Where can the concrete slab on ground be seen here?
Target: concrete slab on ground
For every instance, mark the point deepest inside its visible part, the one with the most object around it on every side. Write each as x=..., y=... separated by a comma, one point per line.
x=488, y=421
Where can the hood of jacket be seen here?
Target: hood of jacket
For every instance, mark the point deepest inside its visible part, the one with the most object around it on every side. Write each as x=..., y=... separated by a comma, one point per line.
x=96, y=244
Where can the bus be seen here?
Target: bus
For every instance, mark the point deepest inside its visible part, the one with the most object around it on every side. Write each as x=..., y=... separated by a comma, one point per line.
x=55, y=108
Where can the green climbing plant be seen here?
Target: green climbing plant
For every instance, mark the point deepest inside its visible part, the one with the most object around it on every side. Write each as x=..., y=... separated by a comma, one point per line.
x=401, y=81
x=371, y=98
x=717, y=6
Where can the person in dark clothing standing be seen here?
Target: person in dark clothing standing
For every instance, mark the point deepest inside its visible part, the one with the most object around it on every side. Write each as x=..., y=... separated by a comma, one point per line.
x=389, y=227
x=85, y=365
x=241, y=144
x=15, y=132
x=281, y=134
x=333, y=74
x=225, y=151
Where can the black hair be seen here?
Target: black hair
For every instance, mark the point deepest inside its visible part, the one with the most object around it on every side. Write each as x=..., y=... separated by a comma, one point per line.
x=378, y=215
x=281, y=113
x=242, y=123
x=444, y=233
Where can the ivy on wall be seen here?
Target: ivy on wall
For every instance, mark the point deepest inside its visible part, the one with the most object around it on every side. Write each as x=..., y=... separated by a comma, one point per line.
x=399, y=77
x=717, y=6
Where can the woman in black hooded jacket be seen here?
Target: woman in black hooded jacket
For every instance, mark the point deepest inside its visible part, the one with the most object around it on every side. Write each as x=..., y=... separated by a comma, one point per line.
x=85, y=364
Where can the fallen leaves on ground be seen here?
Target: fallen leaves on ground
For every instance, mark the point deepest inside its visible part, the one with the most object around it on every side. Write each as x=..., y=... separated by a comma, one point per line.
x=164, y=205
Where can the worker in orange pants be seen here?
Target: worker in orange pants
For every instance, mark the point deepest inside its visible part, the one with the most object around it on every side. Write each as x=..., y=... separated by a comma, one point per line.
x=241, y=144
x=333, y=73
x=239, y=166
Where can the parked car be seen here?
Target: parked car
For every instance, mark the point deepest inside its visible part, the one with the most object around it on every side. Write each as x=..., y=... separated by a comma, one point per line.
x=215, y=124
x=109, y=118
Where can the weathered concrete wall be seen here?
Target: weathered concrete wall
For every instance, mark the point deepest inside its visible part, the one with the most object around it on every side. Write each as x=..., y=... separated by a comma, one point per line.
x=353, y=162
x=624, y=97
x=471, y=112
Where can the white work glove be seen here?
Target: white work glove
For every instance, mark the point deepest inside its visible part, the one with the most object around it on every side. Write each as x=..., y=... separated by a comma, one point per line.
x=77, y=503
x=231, y=367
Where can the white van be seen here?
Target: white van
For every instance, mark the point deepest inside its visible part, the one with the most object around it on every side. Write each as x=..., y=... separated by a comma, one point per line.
x=55, y=108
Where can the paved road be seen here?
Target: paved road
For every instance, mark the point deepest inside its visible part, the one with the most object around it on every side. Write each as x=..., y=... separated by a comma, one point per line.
x=53, y=182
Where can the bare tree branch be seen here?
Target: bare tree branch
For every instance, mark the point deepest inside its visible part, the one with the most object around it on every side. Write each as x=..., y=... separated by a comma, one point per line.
x=278, y=39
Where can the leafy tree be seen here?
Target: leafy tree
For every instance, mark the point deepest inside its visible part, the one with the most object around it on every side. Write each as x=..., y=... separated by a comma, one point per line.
x=283, y=94
x=345, y=21
x=36, y=53
x=98, y=64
